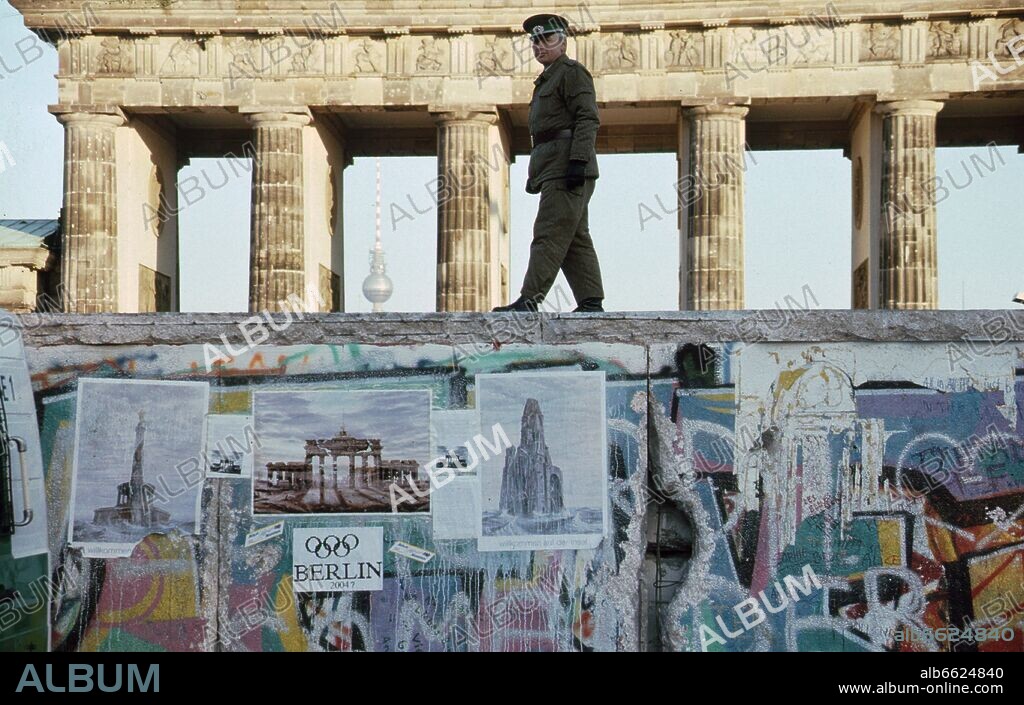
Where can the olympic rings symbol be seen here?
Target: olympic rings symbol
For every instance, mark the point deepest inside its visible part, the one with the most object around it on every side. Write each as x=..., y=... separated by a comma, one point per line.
x=332, y=545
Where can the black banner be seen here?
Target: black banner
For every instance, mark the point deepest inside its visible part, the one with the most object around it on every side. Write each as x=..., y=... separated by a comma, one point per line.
x=146, y=676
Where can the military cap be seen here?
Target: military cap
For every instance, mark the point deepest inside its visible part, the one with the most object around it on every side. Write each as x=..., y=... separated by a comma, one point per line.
x=546, y=23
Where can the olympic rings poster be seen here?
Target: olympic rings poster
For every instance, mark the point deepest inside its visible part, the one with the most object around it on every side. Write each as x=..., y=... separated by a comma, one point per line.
x=330, y=559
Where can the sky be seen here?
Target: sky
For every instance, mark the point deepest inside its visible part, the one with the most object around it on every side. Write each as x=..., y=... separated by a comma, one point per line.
x=283, y=421
x=797, y=211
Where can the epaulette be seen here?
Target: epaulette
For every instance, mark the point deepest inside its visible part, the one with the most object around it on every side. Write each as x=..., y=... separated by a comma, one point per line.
x=584, y=69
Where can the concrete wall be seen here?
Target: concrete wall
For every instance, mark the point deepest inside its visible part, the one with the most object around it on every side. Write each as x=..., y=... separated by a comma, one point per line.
x=775, y=481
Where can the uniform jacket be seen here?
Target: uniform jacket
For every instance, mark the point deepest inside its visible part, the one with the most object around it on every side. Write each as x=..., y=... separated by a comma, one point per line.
x=564, y=97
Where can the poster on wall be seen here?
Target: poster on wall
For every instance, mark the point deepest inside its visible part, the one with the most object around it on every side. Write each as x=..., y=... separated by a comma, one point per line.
x=549, y=490
x=455, y=506
x=230, y=443
x=453, y=435
x=341, y=452
x=455, y=493
x=331, y=559
x=137, y=463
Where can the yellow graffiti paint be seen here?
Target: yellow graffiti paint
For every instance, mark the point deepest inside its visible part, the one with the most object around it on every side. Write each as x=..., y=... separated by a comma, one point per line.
x=890, y=542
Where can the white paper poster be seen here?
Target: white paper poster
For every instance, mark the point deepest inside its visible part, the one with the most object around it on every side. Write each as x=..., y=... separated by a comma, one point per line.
x=348, y=559
x=550, y=489
x=456, y=508
x=453, y=435
x=230, y=441
x=137, y=463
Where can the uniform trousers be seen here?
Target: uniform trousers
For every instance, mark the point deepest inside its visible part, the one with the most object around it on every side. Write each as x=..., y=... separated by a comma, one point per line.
x=561, y=240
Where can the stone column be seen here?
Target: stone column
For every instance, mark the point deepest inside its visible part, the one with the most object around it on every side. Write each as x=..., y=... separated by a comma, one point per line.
x=908, y=265
x=277, y=256
x=713, y=198
x=464, y=252
x=89, y=217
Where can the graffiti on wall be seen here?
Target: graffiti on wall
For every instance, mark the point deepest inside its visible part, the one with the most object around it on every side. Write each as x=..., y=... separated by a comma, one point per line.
x=845, y=497
x=842, y=497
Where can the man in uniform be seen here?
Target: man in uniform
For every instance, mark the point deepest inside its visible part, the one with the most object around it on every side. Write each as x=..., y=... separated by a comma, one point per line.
x=563, y=170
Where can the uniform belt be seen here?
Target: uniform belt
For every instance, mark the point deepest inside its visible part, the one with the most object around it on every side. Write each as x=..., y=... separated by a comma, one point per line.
x=548, y=135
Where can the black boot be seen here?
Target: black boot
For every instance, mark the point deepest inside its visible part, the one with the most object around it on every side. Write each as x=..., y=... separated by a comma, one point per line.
x=589, y=305
x=520, y=304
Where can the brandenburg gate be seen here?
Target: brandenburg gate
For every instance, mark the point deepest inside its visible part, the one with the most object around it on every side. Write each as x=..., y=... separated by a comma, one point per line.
x=323, y=456
x=301, y=88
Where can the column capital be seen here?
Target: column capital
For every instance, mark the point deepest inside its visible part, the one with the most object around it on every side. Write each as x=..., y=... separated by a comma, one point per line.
x=717, y=110
x=909, y=107
x=275, y=116
x=487, y=114
x=99, y=115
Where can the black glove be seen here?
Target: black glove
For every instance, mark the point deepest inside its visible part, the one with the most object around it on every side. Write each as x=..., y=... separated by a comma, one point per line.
x=575, y=175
